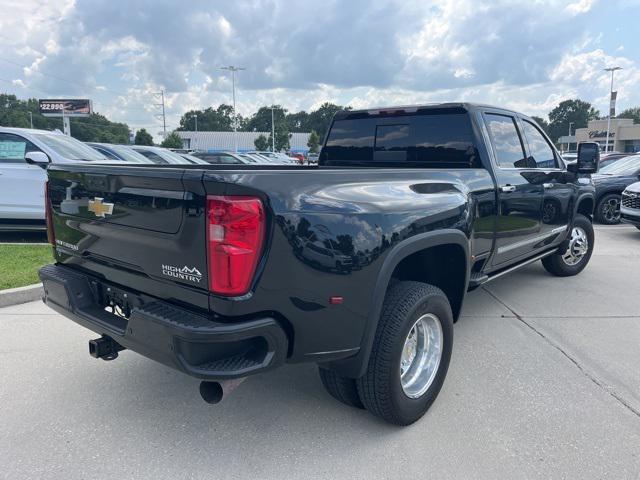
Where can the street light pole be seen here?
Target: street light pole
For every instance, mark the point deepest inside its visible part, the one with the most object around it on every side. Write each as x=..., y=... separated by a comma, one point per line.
x=195, y=116
x=273, y=132
x=233, y=69
x=611, y=69
x=31, y=119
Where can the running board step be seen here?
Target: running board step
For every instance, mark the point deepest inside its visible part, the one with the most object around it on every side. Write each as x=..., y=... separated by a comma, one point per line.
x=477, y=279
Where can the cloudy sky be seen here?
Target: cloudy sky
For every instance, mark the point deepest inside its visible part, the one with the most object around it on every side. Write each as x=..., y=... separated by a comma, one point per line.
x=525, y=55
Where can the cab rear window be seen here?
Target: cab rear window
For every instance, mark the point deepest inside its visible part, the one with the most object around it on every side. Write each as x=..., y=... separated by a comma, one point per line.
x=438, y=140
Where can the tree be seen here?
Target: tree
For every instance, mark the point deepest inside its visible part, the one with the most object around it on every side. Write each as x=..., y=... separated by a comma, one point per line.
x=633, y=113
x=261, y=143
x=320, y=119
x=298, y=122
x=143, y=138
x=573, y=111
x=172, y=140
x=282, y=137
x=314, y=142
x=261, y=120
x=95, y=128
x=544, y=125
x=210, y=119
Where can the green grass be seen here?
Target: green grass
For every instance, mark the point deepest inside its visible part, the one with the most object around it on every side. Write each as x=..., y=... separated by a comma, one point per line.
x=19, y=264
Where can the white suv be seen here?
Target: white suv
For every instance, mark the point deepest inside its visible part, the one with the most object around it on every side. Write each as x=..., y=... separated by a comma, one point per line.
x=23, y=152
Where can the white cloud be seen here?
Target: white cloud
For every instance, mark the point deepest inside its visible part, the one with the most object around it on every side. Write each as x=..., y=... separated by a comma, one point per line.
x=581, y=6
x=527, y=56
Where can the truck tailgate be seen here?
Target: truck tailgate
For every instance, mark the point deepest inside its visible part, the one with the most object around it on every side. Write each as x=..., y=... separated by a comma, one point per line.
x=139, y=220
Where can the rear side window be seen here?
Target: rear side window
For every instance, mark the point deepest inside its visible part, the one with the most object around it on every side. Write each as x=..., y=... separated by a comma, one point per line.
x=153, y=156
x=506, y=142
x=436, y=140
x=107, y=153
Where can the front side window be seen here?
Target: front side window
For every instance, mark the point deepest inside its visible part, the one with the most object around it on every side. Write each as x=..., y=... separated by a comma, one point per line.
x=14, y=147
x=506, y=141
x=539, y=148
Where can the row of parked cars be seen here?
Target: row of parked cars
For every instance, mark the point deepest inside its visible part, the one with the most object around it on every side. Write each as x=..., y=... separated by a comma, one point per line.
x=23, y=150
x=614, y=184
x=21, y=182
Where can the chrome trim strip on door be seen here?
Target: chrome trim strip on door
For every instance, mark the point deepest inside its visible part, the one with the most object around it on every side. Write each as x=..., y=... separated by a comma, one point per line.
x=539, y=238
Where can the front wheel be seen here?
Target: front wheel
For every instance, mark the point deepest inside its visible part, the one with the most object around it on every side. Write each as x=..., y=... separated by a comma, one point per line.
x=608, y=209
x=410, y=354
x=576, y=257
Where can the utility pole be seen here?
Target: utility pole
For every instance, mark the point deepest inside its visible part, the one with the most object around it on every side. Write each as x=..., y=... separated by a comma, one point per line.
x=162, y=115
x=611, y=104
x=273, y=132
x=31, y=119
x=233, y=69
x=195, y=116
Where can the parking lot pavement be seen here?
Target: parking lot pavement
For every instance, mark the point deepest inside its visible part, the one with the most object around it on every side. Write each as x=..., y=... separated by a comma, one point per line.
x=544, y=382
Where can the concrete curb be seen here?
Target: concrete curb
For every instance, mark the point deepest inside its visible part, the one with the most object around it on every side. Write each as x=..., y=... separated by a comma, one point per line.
x=14, y=296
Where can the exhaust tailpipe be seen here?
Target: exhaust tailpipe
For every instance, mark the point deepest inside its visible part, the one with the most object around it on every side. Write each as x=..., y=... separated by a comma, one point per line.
x=215, y=392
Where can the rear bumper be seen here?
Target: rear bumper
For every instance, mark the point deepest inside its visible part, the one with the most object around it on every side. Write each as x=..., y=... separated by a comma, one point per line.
x=172, y=335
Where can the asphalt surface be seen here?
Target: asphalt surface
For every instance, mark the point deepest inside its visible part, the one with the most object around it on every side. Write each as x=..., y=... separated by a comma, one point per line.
x=544, y=383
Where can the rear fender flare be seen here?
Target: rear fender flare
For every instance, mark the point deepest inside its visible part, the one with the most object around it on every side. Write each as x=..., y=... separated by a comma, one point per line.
x=355, y=366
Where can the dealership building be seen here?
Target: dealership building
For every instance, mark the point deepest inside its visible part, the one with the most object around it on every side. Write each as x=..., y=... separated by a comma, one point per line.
x=624, y=135
x=226, y=141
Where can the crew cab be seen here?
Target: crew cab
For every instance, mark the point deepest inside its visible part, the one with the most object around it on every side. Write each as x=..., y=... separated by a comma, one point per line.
x=360, y=264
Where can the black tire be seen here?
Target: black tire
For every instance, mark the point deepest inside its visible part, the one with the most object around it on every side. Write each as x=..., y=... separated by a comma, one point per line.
x=556, y=264
x=603, y=212
x=341, y=388
x=380, y=388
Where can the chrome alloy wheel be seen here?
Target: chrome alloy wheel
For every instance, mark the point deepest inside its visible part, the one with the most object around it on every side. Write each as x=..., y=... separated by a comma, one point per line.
x=578, y=246
x=421, y=355
x=611, y=210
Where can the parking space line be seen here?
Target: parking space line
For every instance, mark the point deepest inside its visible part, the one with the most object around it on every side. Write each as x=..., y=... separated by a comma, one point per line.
x=608, y=389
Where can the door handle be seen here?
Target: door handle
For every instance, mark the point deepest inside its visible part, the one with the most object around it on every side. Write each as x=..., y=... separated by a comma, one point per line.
x=508, y=188
x=548, y=185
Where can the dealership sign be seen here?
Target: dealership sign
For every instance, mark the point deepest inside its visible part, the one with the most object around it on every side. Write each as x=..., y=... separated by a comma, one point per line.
x=601, y=134
x=66, y=107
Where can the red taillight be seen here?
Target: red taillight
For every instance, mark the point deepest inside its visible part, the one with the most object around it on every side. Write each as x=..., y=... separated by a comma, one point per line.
x=235, y=235
x=48, y=215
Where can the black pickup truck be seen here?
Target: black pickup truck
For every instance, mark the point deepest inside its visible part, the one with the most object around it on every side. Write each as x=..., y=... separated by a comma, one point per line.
x=359, y=264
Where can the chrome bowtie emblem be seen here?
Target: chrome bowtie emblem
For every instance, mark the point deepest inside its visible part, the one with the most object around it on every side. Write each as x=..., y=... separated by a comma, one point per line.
x=99, y=208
